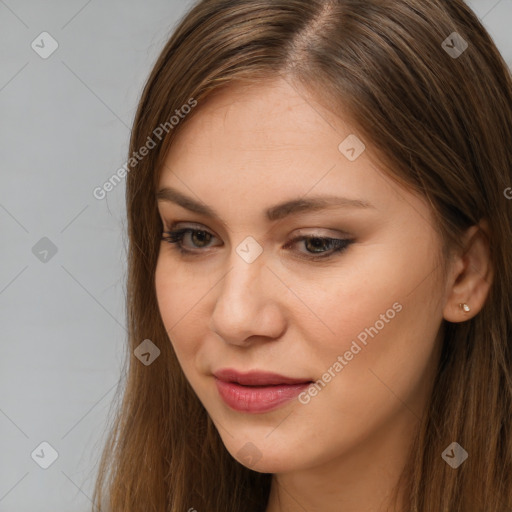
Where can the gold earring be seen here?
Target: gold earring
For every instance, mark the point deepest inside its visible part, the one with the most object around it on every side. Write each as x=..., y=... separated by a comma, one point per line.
x=464, y=307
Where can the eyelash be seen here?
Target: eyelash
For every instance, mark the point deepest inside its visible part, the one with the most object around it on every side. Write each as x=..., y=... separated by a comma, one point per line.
x=175, y=238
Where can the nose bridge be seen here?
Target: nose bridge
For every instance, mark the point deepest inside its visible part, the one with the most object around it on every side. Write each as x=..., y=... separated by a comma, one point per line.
x=247, y=265
x=242, y=283
x=246, y=304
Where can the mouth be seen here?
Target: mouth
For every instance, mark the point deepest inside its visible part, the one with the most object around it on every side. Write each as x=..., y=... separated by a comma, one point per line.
x=257, y=391
x=257, y=378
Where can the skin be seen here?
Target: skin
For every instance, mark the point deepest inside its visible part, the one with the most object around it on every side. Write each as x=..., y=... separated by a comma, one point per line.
x=254, y=147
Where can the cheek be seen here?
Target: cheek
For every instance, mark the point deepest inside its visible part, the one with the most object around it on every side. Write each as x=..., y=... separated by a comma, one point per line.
x=336, y=309
x=181, y=303
x=165, y=293
x=371, y=283
x=173, y=297
x=176, y=289
x=376, y=318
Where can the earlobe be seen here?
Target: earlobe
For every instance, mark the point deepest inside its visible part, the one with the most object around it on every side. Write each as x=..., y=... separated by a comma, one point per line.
x=465, y=307
x=471, y=276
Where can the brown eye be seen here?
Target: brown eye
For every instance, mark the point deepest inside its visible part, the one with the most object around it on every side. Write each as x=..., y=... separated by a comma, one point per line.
x=316, y=244
x=200, y=238
x=323, y=246
x=317, y=247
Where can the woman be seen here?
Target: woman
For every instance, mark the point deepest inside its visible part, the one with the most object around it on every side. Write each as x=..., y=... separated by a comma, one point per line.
x=319, y=289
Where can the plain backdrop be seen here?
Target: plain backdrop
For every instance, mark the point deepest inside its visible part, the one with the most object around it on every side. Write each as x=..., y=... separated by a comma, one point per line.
x=65, y=122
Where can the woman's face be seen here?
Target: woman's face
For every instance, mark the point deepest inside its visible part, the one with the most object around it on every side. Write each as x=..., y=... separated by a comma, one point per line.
x=248, y=294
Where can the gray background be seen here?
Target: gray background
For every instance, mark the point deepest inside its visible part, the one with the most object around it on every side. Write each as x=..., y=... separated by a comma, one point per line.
x=64, y=130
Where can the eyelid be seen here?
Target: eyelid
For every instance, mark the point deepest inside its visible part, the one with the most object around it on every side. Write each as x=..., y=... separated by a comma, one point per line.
x=297, y=233
x=187, y=225
x=339, y=244
x=321, y=234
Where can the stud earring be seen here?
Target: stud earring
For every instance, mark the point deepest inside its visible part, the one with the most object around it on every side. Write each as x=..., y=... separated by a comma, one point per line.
x=464, y=307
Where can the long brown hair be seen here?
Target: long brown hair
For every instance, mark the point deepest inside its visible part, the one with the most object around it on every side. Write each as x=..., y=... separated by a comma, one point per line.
x=441, y=122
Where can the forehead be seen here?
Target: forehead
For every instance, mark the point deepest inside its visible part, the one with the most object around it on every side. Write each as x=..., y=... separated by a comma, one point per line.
x=272, y=114
x=273, y=142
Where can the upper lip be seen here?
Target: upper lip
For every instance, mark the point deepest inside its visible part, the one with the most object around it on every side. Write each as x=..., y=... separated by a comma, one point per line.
x=256, y=378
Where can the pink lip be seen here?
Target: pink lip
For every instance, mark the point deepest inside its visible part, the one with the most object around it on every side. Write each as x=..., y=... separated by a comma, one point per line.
x=257, y=391
x=256, y=378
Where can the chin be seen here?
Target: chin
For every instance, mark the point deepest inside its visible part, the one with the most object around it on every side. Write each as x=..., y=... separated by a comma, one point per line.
x=266, y=455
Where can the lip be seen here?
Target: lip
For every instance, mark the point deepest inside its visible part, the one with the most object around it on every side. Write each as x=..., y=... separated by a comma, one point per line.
x=256, y=378
x=257, y=391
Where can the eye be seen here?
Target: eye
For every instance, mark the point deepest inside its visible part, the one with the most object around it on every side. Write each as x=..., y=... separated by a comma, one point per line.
x=176, y=237
x=317, y=247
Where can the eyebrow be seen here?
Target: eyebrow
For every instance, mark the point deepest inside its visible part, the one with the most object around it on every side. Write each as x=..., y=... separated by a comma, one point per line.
x=274, y=213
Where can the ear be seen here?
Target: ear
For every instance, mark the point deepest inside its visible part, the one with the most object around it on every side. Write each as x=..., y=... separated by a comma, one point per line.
x=470, y=276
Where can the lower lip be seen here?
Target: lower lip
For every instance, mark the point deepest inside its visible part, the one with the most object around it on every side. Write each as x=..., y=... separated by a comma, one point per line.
x=258, y=399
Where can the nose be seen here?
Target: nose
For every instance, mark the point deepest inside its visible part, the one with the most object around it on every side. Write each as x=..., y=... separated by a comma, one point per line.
x=247, y=305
